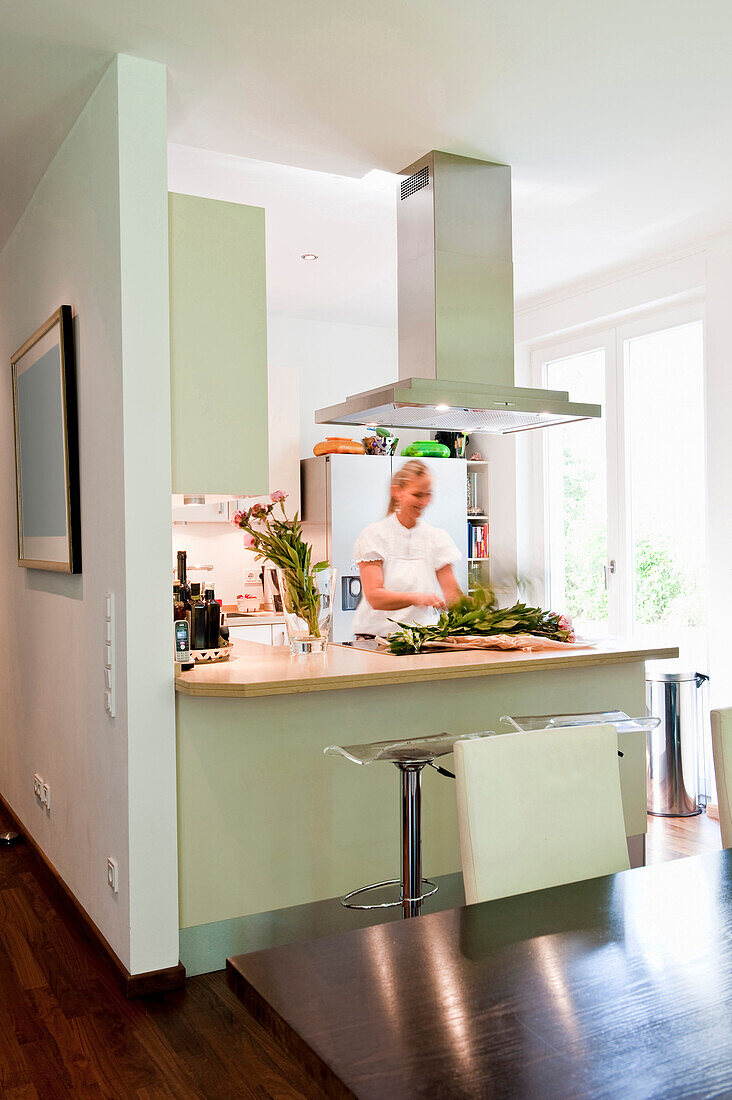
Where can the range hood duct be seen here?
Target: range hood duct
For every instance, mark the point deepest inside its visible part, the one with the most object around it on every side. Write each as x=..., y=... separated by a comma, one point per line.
x=455, y=281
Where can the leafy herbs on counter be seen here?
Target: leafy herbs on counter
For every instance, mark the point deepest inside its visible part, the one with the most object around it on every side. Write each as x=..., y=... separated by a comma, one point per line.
x=280, y=541
x=479, y=614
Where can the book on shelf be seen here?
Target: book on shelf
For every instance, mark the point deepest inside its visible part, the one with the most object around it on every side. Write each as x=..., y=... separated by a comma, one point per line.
x=478, y=540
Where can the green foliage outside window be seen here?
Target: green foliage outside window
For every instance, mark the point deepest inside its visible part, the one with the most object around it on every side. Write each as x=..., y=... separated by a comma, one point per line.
x=667, y=590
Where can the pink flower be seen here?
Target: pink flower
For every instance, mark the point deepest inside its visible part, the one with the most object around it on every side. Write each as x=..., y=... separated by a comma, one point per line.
x=249, y=540
x=236, y=521
x=277, y=496
x=564, y=623
x=258, y=509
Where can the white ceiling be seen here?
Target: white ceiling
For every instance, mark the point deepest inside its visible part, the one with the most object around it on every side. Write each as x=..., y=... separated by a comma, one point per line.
x=616, y=117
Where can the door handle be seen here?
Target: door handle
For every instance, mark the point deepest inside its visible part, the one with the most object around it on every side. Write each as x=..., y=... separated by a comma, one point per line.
x=608, y=567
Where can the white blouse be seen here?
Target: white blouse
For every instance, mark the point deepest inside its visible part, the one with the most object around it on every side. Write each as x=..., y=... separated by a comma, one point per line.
x=411, y=557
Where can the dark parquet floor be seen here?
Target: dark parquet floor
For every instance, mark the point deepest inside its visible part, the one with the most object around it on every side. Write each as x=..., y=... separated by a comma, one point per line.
x=67, y=1031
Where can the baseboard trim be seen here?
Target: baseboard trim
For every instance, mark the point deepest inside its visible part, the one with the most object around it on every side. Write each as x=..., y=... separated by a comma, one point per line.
x=132, y=985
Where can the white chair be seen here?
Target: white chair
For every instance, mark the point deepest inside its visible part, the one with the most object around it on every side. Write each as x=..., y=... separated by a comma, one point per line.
x=539, y=809
x=722, y=752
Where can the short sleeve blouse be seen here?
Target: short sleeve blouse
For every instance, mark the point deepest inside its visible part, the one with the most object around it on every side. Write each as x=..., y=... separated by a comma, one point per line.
x=411, y=559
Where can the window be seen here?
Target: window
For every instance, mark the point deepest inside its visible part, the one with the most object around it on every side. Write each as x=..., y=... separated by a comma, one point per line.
x=624, y=496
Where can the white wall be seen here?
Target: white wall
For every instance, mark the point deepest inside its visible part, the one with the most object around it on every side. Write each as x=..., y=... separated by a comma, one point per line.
x=706, y=267
x=95, y=236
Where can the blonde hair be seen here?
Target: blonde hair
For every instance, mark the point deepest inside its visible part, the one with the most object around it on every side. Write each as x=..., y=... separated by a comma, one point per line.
x=410, y=471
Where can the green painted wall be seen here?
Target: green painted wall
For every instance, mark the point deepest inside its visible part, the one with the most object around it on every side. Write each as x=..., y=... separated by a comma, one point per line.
x=218, y=347
x=265, y=820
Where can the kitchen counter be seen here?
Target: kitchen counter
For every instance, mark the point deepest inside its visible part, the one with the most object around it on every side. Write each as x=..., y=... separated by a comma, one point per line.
x=253, y=618
x=257, y=670
x=269, y=828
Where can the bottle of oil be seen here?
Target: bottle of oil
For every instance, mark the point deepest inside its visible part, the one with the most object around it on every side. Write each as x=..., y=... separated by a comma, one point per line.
x=213, y=618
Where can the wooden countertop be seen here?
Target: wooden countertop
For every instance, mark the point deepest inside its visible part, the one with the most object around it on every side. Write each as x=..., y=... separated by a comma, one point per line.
x=256, y=670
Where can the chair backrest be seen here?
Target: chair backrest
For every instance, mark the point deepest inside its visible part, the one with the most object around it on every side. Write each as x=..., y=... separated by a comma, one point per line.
x=539, y=809
x=722, y=752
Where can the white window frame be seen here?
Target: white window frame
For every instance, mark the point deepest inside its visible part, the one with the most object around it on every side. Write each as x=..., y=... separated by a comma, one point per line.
x=612, y=340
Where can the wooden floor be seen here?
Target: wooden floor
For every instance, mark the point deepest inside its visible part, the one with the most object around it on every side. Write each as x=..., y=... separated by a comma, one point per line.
x=66, y=1030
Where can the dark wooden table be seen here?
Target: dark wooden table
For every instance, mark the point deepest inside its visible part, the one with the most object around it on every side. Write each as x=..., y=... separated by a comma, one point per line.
x=616, y=987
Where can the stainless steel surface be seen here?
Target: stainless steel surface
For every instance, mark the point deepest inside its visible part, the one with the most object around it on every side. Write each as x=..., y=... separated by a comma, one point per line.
x=456, y=317
x=411, y=836
x=411, y=884
x=672, y=756
x=347, y=904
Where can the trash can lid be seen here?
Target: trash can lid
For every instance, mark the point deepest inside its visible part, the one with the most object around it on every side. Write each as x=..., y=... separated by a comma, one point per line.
x=673, y=677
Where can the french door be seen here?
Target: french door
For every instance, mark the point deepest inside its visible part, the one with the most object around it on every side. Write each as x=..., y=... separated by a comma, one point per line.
x=624, y=496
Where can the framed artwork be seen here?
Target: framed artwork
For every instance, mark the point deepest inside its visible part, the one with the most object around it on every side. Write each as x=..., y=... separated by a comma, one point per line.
x=47, y=448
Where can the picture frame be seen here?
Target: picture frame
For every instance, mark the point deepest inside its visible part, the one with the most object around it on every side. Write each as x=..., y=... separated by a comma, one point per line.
x=46, y=431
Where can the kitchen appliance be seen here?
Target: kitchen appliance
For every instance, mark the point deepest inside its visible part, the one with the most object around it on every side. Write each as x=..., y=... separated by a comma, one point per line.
x=341, y=494
x=455, y=281
x=272, y=598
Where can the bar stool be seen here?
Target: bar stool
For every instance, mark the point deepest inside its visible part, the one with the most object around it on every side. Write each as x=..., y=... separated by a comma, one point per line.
x=410, y=756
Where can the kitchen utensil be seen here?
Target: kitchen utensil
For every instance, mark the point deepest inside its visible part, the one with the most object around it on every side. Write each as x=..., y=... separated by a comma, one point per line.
x=426, y=448
x=336, y=445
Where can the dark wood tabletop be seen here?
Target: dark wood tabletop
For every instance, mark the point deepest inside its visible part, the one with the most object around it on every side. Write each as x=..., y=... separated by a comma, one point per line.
x=616, y=987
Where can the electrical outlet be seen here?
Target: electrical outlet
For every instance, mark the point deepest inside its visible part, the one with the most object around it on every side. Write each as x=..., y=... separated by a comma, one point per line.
x=46, y=795
x=37, y=785
x=112, y=876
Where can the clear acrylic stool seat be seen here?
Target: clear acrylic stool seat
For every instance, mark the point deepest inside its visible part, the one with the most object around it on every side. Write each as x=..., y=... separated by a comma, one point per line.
x=618, y=718
x=410, y=756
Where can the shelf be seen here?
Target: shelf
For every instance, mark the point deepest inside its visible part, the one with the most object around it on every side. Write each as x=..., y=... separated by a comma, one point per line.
x=478, y=462
x=483, y=519
x=486, y=558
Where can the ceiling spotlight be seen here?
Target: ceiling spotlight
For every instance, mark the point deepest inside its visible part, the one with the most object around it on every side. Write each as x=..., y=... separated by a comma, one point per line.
x=442, y=408
x=308, y=256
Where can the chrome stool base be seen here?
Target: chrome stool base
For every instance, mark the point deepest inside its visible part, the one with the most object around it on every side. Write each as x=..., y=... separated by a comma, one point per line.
x=345, y=902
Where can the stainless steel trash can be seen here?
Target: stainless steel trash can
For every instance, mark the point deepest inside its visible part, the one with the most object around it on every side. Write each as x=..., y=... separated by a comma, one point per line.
x=672, y=753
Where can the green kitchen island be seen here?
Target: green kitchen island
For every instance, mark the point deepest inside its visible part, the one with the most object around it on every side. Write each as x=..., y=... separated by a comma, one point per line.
x=268, y=826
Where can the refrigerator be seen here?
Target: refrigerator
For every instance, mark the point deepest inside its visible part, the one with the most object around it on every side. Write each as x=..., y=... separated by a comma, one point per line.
x=341, y=494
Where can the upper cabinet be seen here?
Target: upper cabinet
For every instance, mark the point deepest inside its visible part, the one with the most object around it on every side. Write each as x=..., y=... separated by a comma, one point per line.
x=218, y=347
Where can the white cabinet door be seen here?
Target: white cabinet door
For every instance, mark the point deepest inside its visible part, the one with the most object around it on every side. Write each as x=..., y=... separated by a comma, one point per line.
x=261, y=633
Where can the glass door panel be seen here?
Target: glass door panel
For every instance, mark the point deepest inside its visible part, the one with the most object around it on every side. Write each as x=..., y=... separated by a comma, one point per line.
x=576, y=466
x=664, y=401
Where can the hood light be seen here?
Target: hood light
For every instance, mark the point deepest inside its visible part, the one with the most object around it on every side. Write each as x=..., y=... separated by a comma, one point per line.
x=194, y=500
x=308, y=256
x=442, y=408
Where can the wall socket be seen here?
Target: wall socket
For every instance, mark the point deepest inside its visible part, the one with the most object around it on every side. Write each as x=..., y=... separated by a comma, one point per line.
x=112, y=876
x=42, y=791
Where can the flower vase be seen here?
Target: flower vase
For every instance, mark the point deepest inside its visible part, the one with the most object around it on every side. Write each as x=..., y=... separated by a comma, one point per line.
x=308, y=610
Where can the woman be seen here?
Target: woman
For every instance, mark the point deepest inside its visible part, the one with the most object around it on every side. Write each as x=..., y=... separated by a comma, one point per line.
x=405, y=565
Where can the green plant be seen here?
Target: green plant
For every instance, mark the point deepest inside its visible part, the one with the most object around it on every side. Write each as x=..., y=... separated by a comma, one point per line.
x=478, y=614
x=280, y=541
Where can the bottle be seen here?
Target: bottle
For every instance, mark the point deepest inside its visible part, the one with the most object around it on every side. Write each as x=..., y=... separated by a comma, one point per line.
x=196, y=592
x=198, y=625
x=179, y=611
x=213, y=618
x=185, y=588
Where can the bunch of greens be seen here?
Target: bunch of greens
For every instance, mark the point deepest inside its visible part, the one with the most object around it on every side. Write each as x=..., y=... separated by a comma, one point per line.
x=479, y=614
x=280, y=541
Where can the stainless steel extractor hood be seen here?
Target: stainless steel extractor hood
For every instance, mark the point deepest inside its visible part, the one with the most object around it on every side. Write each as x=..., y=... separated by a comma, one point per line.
x=455, y=283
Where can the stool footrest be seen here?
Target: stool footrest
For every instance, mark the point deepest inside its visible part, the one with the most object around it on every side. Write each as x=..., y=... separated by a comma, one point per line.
x=346, y=902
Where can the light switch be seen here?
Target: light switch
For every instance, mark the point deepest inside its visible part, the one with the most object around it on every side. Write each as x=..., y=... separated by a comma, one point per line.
x=107, y=633
x=108, y=604
x=108, y=679
x=108, y=656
